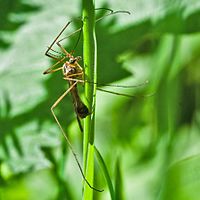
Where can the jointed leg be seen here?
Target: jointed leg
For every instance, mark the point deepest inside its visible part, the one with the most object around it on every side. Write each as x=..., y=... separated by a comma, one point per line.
x=50, y=55
x=79, y=80
x=79, y=36
x=61, y=55
x=71, y=75
x=111, y=12
x=47, y=51
x=50, y=69
x=65, y=136
x=55, y=104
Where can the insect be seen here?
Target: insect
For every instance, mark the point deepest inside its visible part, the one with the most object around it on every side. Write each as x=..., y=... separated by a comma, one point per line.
x=73, y=73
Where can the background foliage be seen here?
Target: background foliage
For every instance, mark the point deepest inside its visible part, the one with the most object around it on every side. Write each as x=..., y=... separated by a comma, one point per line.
x=150, y=145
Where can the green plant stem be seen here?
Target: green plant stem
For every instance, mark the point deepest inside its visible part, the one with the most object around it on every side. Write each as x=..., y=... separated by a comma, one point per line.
x=89, y=58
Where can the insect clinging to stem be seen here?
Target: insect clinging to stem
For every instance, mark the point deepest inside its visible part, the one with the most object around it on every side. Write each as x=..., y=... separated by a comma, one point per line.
x=73, y=73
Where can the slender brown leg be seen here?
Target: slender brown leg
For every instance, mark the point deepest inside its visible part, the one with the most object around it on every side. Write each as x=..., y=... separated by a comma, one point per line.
x=74, y=79
x=111, y=12
x=58, y=42
x=71, y=75
x=55, y=104
x=52, y=56
x=50, y=69
x=54, y=41
x=65, y=135
x=63, y=49
x=55, y=57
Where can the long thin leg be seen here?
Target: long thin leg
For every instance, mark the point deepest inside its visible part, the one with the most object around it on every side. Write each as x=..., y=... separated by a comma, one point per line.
x=47, y=51
x=61, y=54
x=55, y=57
x=65, y=136
x=125, y=95
x=71, y=75
x=50, y=69
x=62, y=48
x=111, y=12
x=80, y=29
x=51, y=55
x=104, y=84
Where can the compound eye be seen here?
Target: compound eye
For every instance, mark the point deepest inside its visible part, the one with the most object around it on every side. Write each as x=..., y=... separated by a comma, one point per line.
x=72, y=60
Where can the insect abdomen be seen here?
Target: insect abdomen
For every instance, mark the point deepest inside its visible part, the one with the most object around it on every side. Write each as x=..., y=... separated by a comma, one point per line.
x=82, y=111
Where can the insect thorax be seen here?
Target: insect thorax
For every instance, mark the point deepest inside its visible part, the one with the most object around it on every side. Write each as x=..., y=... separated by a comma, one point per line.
x=70, y=70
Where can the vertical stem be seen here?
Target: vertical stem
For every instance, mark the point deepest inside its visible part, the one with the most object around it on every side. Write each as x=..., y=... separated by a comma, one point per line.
x=89, y=58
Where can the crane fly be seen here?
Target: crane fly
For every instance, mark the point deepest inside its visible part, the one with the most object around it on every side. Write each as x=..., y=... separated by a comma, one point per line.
x=73, y=73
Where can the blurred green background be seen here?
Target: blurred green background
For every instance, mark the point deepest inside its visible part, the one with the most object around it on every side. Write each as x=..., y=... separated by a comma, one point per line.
x=151, y=144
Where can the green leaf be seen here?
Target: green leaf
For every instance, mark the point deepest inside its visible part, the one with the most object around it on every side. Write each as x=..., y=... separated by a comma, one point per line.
x=182, y=180
x=14, y=15
x=105, y=172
